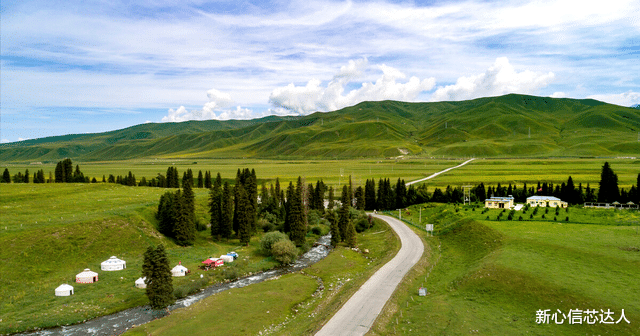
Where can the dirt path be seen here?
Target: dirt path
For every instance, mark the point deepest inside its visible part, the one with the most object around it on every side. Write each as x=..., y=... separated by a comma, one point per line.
x=440, y=172
x=358, y=314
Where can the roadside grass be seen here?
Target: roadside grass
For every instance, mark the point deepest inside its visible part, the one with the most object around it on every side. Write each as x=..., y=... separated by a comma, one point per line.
x=238, y=311
x=490, y=278
x=290, y=305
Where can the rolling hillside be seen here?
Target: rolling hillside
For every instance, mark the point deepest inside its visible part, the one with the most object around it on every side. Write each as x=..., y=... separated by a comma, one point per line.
x=511, y=125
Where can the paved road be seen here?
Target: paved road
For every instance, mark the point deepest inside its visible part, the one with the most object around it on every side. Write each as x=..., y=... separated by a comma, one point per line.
x=359, y=313
x=440, y=172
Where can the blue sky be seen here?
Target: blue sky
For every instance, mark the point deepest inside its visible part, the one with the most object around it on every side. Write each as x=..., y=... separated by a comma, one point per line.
x=93, y=66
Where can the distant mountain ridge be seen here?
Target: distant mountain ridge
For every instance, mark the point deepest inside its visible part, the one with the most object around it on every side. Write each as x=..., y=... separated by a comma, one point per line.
x=512, y=125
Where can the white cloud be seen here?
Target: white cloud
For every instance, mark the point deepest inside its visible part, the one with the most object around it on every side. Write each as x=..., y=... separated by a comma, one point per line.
x=316, y=97
x=501, y=78
x=4, y=140
x=215, y=108
x=628, y=98
x=559, y=94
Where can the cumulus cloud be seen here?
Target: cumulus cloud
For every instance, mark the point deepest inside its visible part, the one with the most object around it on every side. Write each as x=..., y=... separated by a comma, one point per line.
x=216, y=108
x=4, y=141
x=317, y=97
x=629, y=98
x=559, y=94
x=501, y=78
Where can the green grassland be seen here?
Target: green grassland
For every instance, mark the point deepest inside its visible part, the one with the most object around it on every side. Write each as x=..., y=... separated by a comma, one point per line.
x=312, y=295
x=336, y=172
x=51, y=232
x=507, y=126
x=490, y=277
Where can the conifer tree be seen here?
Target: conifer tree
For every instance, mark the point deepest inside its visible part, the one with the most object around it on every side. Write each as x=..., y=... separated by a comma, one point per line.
x=296, y=217
x=343, y=214
x=370, y=195
x=608, y=191
x=251, y=188
x=6, y=177
x=200, y=180
x=360, y=201
x=318, y=196
x=207, y=180
x=226, y=222
x=287, y=207
x=157, y=270
x=215, y=207
x=68, y=170
x=166, y=214
x=59, y=172
x=244, y=226
x=26, y=176
x=351, y=238
x=184, y=227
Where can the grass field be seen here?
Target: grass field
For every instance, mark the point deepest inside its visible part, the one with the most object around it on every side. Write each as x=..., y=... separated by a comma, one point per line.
x=336, y=172
x=49, y=233
x=491, y=277
x=294, y=304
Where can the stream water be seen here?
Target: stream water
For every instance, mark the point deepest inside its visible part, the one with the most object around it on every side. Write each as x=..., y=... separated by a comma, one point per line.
x=118, y=323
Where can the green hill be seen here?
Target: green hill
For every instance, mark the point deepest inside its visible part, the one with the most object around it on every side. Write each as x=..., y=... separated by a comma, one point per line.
x=511, y=125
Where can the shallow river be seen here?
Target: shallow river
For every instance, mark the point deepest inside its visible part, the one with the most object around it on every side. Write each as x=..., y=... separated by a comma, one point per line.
x=120, y=322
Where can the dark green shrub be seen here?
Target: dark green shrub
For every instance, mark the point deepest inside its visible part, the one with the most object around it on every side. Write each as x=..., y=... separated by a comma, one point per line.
x=361, y=225
x=316, y=230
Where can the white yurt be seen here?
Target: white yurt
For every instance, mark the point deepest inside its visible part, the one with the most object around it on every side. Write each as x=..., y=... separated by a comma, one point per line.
x=64, y=290
x=140, y=283
x=113, y=264
x=179, y=270
x=227, y=258
x=87, y=276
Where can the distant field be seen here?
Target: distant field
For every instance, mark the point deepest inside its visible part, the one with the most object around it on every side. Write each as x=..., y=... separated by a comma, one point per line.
x=335, y=172
x=490, y=277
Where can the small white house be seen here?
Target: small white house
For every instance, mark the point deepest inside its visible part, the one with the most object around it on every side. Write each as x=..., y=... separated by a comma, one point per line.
x=140, y=283
x=64, y=290
x=113, y=264
x=545, y=201
x=87, y=276
x=496, y=202
x=179, y=270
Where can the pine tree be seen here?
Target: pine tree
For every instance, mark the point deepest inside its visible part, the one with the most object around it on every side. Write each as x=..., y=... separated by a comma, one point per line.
x=244, y=225
x=360, y=200
x=215, y=207
x=287, y=207
x=166, y=214
x=6, y=177
x=207, y=180
x=68, y=170
x=351, y=238
x=184, y=227
x=26, y=176
x=370, y=195
x=608, y=191
x=200, y=180
x=318, y=196
x=226, y=222
x=297, y=221
x=157, y=270
x=335, y=231
x=251, y=188
x=343, y=214
x=59, y=172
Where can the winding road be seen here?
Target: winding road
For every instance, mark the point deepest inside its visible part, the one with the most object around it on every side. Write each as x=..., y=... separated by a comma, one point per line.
x=359, y=313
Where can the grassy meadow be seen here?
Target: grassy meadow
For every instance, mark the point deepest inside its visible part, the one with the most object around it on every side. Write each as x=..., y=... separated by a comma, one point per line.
x=490, y=277
x=51, y=232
